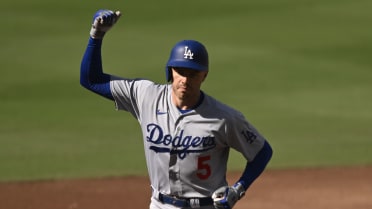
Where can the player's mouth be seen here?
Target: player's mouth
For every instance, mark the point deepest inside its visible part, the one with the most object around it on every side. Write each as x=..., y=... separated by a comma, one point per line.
x=184, y=87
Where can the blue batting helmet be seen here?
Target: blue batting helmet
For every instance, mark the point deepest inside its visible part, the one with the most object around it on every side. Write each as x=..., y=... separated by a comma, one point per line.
x=187, y=54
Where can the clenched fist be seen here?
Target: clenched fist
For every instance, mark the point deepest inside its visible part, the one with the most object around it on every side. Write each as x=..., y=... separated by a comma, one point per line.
x=103, y=21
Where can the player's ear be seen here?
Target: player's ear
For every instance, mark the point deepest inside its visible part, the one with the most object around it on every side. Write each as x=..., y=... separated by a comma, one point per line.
x=205, y=75
x=169, y=74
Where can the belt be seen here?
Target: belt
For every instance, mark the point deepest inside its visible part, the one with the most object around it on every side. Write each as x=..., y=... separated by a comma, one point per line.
x=185, y=202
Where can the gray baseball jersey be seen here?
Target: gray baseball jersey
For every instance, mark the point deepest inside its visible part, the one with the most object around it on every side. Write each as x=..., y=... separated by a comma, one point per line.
x=186, y=154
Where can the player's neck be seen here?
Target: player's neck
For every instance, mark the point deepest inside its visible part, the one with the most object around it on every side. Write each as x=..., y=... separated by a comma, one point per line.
x=187, y=103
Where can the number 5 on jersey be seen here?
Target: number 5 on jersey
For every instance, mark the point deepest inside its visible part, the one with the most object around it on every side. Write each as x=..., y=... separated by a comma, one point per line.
x=204, y=169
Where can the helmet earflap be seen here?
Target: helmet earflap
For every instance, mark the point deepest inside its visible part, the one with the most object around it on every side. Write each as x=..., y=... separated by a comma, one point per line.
x=189, y=54
x=168, y=73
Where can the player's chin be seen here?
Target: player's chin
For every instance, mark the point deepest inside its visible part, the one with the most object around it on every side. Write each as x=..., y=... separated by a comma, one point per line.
x=184, y=95
x=183, y=91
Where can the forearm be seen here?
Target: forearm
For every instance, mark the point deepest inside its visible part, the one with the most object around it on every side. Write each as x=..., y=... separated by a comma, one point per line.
x=254, y=168
x=91, y=72
x=226, y=197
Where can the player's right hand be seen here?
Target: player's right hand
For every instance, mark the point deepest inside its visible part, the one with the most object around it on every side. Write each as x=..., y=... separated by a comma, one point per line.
x=103, y=21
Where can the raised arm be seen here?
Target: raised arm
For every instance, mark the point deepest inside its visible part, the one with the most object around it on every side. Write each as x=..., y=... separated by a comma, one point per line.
x=92, y=76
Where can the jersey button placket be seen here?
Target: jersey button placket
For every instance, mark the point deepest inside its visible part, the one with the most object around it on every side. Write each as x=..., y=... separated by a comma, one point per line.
x=174, y=170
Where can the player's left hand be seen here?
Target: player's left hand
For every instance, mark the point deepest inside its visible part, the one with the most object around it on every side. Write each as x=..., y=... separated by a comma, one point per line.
x=226, y=197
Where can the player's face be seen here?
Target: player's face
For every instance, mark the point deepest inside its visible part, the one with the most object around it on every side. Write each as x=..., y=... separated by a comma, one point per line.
x=186, y=82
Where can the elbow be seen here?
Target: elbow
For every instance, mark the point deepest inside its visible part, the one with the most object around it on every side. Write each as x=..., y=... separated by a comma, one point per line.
x=85, y=78
x=265, y=154
x=84, y=82
x=268, y=150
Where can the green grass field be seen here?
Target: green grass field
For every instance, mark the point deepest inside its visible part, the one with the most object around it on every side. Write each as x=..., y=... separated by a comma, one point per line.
x=299, y=70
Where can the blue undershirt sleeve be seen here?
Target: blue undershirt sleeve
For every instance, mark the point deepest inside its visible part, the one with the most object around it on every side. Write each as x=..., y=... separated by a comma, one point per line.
x=254, y=168
x=91, y=72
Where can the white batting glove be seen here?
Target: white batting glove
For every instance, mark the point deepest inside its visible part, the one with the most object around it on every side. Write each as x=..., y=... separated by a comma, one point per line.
x=103, y=21
x=226, y=197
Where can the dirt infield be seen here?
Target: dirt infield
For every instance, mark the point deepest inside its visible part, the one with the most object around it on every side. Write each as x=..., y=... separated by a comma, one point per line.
x=325, y=188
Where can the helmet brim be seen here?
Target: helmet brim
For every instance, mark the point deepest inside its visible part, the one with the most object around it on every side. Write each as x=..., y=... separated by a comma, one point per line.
x=188, y=65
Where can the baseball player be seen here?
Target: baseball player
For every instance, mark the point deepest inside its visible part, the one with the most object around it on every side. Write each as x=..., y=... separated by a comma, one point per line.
x=187, y=134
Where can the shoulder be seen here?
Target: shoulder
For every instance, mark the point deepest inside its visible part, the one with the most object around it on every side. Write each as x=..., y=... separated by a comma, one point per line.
x=137, y=88
x=221, y=109
x=136, y=84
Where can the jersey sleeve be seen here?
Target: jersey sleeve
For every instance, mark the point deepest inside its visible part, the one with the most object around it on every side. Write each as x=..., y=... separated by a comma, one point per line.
x=244, y=137
x=128, y=94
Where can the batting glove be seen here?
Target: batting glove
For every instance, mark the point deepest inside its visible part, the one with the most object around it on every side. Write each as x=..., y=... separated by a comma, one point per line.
x=226, y=197
x=103, y=21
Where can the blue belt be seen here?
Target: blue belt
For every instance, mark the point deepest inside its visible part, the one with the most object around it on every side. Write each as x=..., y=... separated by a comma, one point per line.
x=185, y=202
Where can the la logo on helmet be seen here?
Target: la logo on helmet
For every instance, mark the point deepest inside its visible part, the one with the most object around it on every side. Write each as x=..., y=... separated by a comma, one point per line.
x=188, y=54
